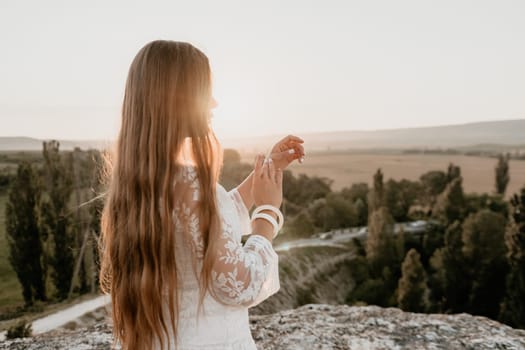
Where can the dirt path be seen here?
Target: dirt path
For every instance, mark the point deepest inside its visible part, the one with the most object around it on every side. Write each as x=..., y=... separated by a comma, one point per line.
x=60, y=318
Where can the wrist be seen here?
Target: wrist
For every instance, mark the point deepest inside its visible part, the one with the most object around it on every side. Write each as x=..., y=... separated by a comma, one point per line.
x=271, y=215
x=269, y=212
x=245, y=190
x=263, y=228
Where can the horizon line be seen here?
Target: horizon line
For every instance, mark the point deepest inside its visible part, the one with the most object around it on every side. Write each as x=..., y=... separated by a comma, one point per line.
x=275, y=134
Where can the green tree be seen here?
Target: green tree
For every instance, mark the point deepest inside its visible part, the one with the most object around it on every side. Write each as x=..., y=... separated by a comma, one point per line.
x=86, y=185
x=304, y=189
x=450, y=205
x=412, y=288
x=57, y=173
x=301, y=226
x=450, y=281
x=231, y=156
x=356, y=191
x=400, y=196
x=372, y=291
x=380, y=247
x=513, y=306
x=6, y=177
x=358, y=195
x=332, y=212
x=484, y=251
x=376, y=198
x=502, y=174
x=361, y=212
x=399, y=243
x=453, y=172
x=95, y=212
x=319, y=213
x=475, y=202
x=23, y=234
x=434, y=182
x=233, y=172
x=432, y=239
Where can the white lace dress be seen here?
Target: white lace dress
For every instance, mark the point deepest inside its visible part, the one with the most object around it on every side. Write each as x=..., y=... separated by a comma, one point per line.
x=243, y=275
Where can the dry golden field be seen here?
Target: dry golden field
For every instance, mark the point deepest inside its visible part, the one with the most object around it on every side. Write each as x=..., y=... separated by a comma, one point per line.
x=345, y=168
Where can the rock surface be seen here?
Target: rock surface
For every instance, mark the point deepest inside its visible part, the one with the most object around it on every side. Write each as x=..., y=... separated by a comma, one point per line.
x=317, y=326
x=371, y=327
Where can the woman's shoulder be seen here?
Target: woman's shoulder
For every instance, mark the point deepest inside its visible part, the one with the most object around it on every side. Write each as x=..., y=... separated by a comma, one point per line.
x=187, y=173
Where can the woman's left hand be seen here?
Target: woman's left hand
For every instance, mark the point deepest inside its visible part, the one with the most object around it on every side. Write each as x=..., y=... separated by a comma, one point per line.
x=286, y=151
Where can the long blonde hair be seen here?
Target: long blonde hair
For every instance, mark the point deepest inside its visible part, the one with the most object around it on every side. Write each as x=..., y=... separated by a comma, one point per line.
x=166, y=103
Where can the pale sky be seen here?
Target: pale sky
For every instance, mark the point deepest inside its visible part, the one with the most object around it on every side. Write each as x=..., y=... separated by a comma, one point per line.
x=279, y=66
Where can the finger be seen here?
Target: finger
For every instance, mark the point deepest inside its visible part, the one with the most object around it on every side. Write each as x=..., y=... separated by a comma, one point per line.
x=291, y=138
x=299, y=149
x=258, y=165
x=279, y=176
x=264, y=168
x=271, y=169
x=293, y=144
x=289, y=155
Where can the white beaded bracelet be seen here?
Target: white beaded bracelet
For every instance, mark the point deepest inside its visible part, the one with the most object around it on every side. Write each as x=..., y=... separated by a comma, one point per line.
x=276, y=226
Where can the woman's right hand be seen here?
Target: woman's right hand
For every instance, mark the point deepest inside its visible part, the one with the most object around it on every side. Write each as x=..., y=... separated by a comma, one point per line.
x=267, y=187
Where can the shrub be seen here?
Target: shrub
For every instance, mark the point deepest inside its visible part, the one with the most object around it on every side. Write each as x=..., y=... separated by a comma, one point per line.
x=21, y=329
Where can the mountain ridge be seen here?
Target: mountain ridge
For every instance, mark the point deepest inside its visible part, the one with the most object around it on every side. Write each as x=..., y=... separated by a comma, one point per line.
x=501, y=133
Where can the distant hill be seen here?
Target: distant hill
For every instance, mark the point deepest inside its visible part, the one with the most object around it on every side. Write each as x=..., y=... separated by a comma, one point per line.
x=488, y=134
x=32, y=144
x=481, y=134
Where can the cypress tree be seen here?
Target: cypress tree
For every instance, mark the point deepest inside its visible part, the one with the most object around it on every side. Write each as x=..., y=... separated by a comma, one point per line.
x=412, y=287
x=450, y=205
x=380, y=246
x=513, y=306
x=23, y=234
x=453, y=172
x=56, y=221
x=502, y=174
x=484, y=251
x=451, y=271
x=377, y=195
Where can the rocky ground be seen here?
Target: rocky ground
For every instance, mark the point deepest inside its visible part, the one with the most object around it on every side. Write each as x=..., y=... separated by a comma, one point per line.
x=317, y=326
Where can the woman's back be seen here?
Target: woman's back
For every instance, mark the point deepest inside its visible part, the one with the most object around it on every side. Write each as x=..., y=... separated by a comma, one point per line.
x=244, y=277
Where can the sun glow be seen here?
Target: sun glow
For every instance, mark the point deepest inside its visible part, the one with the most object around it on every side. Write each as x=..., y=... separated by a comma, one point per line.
x=227, y=120
x=240, y=104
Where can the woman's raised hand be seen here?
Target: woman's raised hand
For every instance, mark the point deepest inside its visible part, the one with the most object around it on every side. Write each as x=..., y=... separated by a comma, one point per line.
x=267, y=187
x=287, y=150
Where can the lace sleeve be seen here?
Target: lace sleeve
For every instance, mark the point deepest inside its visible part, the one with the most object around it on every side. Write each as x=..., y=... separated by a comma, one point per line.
x=242, y=211
x=242, y=275
x=240, y=271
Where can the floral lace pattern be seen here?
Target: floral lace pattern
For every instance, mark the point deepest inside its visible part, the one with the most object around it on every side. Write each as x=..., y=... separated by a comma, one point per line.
x=241, y=275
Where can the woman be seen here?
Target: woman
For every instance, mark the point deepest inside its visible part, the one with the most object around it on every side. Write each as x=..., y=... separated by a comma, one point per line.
x=172, y=257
